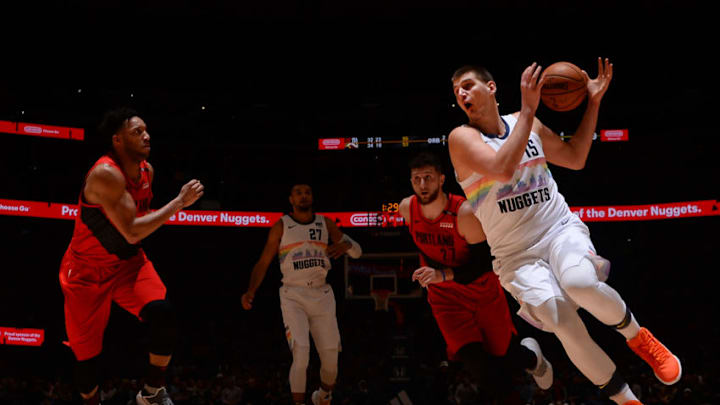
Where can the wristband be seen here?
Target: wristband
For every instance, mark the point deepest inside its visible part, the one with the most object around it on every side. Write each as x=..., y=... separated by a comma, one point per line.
x=355, y=250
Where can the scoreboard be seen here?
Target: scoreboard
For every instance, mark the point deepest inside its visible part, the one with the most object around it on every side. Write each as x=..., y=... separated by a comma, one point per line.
x=377, y=142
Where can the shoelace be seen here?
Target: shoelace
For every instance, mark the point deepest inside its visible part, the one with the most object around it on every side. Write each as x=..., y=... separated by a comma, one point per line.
x=655, y=349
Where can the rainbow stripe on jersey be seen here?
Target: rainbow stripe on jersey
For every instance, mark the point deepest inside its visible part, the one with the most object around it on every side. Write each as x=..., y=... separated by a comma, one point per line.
x=285, y=250
x=477, y=191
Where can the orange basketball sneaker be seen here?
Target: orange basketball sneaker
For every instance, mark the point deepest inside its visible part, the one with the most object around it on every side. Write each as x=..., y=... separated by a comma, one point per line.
x=633, y=402
x=665, y=364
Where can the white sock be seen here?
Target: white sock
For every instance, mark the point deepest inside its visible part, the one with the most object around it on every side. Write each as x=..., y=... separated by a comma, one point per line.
x=624, y=396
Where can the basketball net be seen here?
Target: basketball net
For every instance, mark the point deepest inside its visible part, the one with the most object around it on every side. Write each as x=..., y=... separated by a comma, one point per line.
x=381, y=298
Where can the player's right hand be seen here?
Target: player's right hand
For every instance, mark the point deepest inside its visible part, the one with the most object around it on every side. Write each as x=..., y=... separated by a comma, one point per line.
x=247, y=300
x=530, y=85
x=191, y=192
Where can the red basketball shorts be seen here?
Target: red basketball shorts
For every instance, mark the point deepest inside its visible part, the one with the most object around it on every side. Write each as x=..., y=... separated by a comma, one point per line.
x=89, y=292
x=476, y=312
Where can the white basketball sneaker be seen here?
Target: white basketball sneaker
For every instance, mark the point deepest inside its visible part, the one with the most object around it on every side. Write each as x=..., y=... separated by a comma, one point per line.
x=318, y=400
x=161, y=397
x=543, y=372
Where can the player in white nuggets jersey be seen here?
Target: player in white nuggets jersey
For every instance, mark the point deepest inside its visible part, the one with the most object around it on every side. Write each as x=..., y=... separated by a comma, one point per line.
x=301, y=241
x=544, y=255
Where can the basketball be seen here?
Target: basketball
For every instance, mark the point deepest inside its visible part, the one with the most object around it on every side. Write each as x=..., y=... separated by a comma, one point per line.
x=565, y=87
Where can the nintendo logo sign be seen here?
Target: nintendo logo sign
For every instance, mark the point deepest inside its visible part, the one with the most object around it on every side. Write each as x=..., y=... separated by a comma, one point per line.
x=30, y=129
x=331, y=143
x=46, y=131
x=614, y=135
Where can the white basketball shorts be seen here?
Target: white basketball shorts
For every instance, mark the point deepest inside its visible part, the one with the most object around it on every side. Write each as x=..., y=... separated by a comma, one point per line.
x=532, y=275
x=307, y=310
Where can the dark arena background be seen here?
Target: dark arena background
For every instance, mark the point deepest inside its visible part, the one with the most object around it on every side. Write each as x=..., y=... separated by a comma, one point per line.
x=240, y=94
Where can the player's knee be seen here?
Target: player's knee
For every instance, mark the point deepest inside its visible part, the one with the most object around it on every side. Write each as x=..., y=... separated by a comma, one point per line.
x=328, y=357
x=86, y=375
x=471, y=353
x=474, y=358
x=580, y=281
x=161, y=319
x=158, y=312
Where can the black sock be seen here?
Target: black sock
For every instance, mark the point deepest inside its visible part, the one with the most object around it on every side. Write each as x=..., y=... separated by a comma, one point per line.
x=520, y=356
x=156, y=376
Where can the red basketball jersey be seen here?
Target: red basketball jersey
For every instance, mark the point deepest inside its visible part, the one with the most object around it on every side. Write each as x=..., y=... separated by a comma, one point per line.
x=439, y=239
x=96, y=240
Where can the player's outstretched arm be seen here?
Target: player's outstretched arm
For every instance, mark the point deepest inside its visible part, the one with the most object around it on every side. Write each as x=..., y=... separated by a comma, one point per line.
x=341, y=243
x=573, y=154
x=260, y=269
x=105, y=185
x=469, y=151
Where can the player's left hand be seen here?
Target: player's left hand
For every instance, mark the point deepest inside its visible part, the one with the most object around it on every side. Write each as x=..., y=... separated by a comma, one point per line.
x=246, y=300
x=598, y=86
x=427, y=275
x=338, y=249
x=191, y=192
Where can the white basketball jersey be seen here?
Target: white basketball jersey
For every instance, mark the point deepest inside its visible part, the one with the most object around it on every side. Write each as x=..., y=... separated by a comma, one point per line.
x=302, y=253
x=517, y=214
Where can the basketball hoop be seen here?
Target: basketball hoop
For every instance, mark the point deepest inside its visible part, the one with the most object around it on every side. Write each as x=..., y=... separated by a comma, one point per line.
x=381, y=298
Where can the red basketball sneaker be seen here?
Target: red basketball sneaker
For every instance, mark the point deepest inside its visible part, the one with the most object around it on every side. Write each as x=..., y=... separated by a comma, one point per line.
x=666, y=365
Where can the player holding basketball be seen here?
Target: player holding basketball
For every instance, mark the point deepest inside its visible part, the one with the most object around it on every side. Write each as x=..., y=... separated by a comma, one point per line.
x=466, y=298
x=544, y=255
x=105, y=263
x=301, y=242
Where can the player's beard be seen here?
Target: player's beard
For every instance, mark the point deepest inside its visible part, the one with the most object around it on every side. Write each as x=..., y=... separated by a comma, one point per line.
x=430, y=198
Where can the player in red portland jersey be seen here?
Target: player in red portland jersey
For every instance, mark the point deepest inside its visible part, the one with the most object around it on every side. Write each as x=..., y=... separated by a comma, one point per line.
x=464, y=293
x=105, y=263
